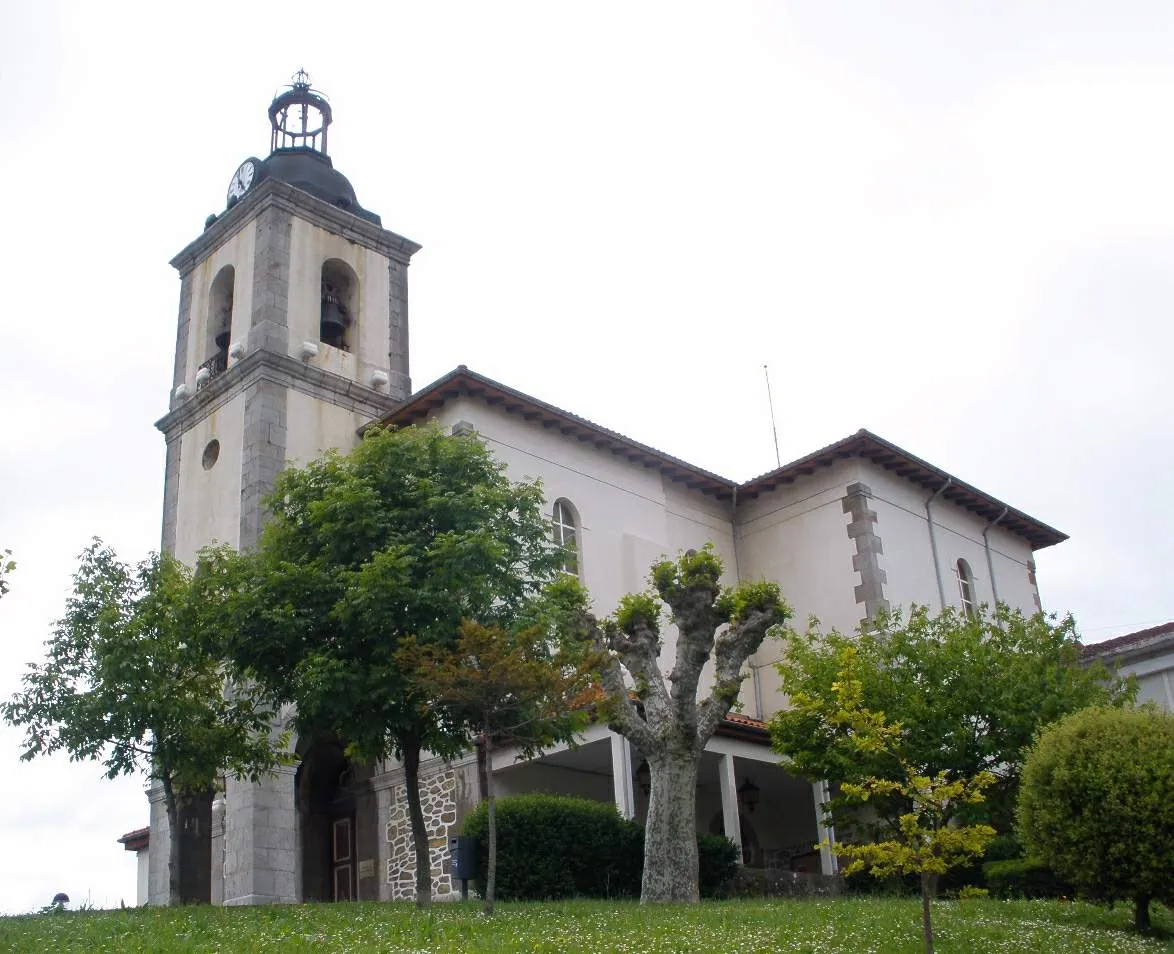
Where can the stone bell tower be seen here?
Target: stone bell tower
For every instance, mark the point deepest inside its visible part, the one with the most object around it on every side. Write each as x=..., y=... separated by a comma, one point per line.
x=293, y=332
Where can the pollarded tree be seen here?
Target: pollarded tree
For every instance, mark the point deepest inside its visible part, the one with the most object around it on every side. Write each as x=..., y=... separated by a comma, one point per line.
x=664, y=718
x=410, y=533
x=133, y=676
x=1097, y=804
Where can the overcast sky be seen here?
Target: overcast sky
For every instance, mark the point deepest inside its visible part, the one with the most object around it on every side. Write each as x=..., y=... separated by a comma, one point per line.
x=950, y=223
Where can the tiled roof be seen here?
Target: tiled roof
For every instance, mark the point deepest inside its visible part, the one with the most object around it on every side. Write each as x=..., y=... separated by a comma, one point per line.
x=863, y=444
x=1131, y=642
x=136, y=840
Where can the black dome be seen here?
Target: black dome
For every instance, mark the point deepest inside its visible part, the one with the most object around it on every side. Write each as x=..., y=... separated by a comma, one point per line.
x=313, y=172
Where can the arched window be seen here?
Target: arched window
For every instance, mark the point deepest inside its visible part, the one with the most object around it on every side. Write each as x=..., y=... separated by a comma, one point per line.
x=566, y=535
x=965, y=586
x=338, y=324
x=219, y=323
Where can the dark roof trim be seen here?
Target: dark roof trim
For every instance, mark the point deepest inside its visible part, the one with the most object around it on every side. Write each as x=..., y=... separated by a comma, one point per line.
x=863, y=444
x=465, y=383
x=866, y=445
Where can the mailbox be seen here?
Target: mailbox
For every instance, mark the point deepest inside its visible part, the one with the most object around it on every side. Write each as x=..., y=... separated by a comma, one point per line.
x=463, y=849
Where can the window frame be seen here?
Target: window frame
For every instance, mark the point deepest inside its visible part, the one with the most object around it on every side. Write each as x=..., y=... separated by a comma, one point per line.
x=565, y=523
x=966, y=589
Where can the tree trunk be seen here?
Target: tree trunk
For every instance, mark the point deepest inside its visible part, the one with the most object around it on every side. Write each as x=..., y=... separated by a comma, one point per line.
x=670, y=833
x=490, y=808
x=482, y=771
x=173, y=839
x=926, y=924
x=419, y=833
x=1141, y=912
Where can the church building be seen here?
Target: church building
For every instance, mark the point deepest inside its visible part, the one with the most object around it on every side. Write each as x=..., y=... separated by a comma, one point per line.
x=293, y=337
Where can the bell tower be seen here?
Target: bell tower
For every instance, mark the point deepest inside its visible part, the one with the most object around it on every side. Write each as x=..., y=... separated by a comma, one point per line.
x=292, y=334
x=293, y=330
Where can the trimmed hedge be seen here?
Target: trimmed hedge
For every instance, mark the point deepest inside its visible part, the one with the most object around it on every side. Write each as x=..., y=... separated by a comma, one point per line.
x=1024, y=878
x=554, y=846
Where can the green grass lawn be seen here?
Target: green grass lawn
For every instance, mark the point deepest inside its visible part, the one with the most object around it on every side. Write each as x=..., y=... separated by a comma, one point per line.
x=847, y=925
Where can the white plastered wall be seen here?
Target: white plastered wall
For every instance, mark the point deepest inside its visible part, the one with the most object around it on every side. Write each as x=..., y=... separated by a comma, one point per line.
x=314, y=427
x=236, y=251
x=210, y=499
x=797, y=536
x=310, y=248
x=908, y=557
x=630, y=515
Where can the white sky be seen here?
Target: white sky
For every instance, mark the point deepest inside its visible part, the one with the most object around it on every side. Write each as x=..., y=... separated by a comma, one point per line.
x=949, y=223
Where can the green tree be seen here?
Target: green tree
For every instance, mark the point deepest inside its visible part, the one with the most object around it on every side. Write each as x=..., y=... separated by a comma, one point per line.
x=664, y=719
x=7, y=565
x=924, y=841
x=1097, y=804
x=505, y=689
x=970, y=691
x=133, y=676
x=407, y=535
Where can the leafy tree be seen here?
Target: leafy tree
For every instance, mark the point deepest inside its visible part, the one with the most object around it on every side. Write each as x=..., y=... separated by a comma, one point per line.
x=508, y=689
x=969, y=691
x=924, y=842
x=132, y=676
x=7, y=565
x=407, y=535
x=665, y=720
x=1097, y=804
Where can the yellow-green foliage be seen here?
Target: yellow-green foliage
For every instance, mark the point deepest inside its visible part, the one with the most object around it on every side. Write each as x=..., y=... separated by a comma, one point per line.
x=923, y=843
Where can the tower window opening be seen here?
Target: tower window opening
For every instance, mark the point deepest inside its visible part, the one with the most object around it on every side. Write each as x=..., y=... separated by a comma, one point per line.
x=219, y=321
x=339, y=296
x=566, y=536
x=965, y=587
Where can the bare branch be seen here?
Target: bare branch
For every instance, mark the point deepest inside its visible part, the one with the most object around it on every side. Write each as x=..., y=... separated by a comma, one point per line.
x=733, y=648
x=624, y=714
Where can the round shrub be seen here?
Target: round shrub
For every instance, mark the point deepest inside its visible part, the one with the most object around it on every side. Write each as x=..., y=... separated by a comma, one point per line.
x=1096, y=804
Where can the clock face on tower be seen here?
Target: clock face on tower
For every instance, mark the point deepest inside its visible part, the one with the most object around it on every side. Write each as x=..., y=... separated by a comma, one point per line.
x=242, y=179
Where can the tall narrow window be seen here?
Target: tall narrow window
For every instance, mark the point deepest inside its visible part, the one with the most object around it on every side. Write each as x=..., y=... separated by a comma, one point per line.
x=965, y=586
x=566, y=535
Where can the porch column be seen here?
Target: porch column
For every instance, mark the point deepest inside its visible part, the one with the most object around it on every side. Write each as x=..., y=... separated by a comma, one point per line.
x=827, y=857
x=621, y=775
x=731, y=819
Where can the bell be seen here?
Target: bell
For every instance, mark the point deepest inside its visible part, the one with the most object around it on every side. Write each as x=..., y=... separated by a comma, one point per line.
x=225, y=331
x=333, y=324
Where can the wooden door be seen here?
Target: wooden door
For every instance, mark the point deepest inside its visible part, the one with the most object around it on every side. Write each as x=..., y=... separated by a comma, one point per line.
x=342, y=858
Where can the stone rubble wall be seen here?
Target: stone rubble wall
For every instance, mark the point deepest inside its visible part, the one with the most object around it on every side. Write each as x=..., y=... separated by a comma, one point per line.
x=439, y=804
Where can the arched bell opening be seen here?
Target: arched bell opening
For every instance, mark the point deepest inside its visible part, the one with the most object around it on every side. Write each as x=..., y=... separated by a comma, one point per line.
x=338, y=321
x=219, y=320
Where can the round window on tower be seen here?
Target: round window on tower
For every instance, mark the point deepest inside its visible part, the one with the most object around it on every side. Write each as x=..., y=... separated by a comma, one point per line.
x=211, y=454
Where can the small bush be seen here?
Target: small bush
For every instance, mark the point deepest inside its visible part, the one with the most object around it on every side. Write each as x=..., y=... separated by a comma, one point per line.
x=717, y=863
x=550, y=846
x=554, y=846
x=1024, y=878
